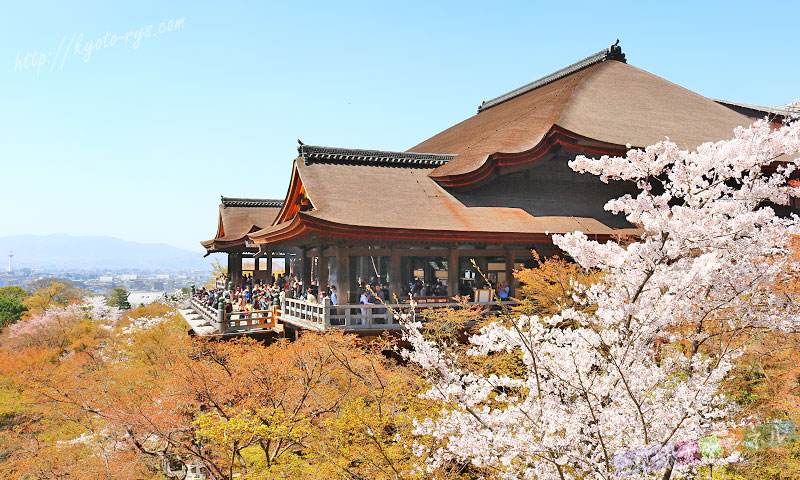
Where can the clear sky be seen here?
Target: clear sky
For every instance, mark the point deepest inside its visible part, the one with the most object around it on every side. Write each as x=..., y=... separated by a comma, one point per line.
x=138, y=139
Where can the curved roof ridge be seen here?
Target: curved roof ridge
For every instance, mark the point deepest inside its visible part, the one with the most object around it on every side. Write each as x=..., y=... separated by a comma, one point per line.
x=251, y=202
x=356, y=156
x=614, y=52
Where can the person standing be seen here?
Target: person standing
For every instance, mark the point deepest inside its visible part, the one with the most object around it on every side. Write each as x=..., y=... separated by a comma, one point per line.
x=334, y=295
x=503, y=291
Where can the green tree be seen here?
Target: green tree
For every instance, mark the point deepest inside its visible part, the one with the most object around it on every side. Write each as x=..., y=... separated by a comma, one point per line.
x=10, y=311
x=15, y=293
x=119, y=298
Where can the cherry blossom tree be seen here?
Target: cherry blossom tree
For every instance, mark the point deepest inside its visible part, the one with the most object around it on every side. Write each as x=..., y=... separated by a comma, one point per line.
x=635, y=364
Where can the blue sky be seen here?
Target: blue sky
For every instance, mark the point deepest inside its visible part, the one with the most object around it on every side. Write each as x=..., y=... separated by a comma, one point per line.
x=139, y=140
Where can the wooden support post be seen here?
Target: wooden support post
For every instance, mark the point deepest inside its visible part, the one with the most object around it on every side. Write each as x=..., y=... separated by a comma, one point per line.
x=306, y=266
x=512, y=282
x=452, y=272
x=235, y=269
x=287, y=264
x=343, y=275
x=323, y=273
x=395, y=275
x=268, y=259
x=366, y=269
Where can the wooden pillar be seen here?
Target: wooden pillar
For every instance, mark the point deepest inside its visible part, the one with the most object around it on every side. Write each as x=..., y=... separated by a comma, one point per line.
x=255, y=266
x=323, y=271
x=343, y=275
x=452, y=272
x=268, y=259
x=395, y=274
x=287, y=264
x=235, y=269
x=366, y=269
x=306, y=266
x=512, y=282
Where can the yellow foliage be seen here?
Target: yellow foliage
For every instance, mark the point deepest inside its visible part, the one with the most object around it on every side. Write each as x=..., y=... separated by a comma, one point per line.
x=55, y=294
x=550, y=287
x=217, y=270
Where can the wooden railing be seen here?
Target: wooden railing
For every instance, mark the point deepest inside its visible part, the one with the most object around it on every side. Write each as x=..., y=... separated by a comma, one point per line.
x=237, y=322
x=322, y=316
x=209, y=313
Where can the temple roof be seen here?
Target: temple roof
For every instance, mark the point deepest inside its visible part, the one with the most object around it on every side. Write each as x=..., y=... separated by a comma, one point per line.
x=407, y=203
x=352, y=156
x=238, y=217
x=599, y=98
x=614, y=52
x=760, y=111
x=251, y=202
x=598, y=105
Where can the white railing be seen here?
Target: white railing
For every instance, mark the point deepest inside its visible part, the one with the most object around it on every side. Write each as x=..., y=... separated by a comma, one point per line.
x=317, y=316
x=305, y=314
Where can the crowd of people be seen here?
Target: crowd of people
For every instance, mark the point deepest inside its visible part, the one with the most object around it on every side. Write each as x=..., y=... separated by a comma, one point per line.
x=255, y=295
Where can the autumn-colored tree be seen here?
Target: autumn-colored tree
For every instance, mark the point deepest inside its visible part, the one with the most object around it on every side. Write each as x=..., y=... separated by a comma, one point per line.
x=282, y=411
x=93, y=394
x=52, y=293
x=217, y=271
x=550, y=286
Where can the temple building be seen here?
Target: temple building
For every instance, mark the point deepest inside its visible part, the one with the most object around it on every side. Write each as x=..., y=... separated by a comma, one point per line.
x=491, y=188
x=239, y=217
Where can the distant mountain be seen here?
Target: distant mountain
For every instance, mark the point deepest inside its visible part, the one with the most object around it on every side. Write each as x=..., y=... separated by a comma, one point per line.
x=65, y=251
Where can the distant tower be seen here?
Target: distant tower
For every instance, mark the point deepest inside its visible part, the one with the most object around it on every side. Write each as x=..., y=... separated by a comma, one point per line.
x=10, y=255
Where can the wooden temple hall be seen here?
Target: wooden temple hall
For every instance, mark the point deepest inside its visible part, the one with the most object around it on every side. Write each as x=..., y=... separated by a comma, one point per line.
x=491, y=188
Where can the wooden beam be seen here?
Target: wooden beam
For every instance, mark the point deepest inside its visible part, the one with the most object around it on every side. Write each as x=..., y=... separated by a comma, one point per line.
x=407, y=252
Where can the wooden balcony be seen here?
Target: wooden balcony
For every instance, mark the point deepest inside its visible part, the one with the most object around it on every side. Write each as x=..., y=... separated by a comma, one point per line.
x=206, y=320
x=304, y=315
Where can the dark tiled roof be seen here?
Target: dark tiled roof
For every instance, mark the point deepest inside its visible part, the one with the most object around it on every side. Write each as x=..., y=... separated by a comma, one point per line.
x=614, y=52
x=783, y=110
x=350, y=156
x=251, y=202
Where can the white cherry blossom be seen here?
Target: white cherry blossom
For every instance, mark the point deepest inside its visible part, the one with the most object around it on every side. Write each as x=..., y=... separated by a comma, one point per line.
x=700, y=275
